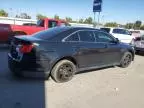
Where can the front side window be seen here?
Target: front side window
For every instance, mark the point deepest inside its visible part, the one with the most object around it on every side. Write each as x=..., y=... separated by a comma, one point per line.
x=74, y=37
x=103, y=37
x=52, y=24
x=86, y=36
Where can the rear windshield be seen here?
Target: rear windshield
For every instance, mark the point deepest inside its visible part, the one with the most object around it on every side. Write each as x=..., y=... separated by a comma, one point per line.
x=121, y=31
x=105, y=30
x=47, y=34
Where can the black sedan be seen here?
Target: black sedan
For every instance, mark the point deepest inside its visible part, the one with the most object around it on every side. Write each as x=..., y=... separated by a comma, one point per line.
x=63, y=51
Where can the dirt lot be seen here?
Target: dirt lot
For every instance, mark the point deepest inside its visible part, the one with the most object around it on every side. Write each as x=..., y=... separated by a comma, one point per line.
x=106, y=88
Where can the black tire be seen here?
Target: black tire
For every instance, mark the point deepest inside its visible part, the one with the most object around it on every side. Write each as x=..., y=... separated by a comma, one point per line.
x=126, y=60
x=63, y=71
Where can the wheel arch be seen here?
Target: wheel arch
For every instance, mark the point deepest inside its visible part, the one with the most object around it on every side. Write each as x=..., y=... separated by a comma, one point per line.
x=70, y=58
x=133, y=54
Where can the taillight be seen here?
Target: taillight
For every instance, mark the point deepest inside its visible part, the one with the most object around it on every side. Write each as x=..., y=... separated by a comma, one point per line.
x=26, y=48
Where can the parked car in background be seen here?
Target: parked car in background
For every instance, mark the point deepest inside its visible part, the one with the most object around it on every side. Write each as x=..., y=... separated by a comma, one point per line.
x=139, y=43
x=122, y=34
x=7, y=31
x=61, y=52
x=135, y=33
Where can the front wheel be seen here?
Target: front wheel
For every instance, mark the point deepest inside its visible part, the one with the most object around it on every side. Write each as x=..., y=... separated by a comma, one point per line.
x=63, y=71
x=126, y=60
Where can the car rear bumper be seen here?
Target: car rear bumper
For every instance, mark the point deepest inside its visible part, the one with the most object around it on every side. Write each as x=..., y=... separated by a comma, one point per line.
x=28, y=69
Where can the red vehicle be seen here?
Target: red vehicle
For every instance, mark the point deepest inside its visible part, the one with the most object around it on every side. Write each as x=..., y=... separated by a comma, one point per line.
x=7, y=31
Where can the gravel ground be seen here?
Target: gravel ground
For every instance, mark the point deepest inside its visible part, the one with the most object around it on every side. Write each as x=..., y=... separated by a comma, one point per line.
x=106, y=88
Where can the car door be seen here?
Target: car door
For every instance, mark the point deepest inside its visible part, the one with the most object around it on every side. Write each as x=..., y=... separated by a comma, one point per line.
x=39, y=27
x=112, y=52
x=89, y=51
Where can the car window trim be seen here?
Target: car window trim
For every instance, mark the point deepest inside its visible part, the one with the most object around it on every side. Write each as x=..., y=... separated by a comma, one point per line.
x=64, y=39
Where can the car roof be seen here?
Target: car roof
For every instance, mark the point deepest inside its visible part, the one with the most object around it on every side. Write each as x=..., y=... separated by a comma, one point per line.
x=77, y=28
x=114, y=28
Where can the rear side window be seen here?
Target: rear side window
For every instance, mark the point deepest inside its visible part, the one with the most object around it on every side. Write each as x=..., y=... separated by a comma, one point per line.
x=40, y=23
x=52, y=24
x=86, y=36
x=121, y=31
x=105, y=30
x=73, y=37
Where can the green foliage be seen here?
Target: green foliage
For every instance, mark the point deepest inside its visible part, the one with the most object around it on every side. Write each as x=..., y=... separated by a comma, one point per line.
x=40, y=16
x=56, y=17
x=3, y=13
x=137, y=25
x=129, y=25
x=81, y=20
x=88, y=20
x=142, y=27
x=23, y=16
x=68, y=19
x=111, y=24
x=73, y=21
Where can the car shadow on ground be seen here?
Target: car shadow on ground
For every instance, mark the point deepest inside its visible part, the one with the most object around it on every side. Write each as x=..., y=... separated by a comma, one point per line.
x=140, y=53
x=92, y=70
x=19, y=92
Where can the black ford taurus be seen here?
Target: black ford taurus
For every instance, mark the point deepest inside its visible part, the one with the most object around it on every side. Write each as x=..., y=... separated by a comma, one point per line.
x=63, y=51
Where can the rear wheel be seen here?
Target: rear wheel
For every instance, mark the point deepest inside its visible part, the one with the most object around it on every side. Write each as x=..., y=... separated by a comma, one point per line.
x=126, y=60
x=63, y=71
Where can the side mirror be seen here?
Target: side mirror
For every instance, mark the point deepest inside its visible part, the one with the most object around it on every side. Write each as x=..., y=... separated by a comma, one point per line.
x=117, y=40
x=130, y=33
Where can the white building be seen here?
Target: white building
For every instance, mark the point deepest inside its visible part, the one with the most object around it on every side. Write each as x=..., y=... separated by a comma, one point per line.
x=17, y=21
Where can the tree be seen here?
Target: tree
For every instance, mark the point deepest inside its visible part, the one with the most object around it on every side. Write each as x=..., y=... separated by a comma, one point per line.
x=111, y=24
x=129, y=25
x=23, y=16
x=68, y=19
x=81, y=20
x=40, y=16
x=3, y=13
x=73, y=21
x=56, y=17
x=88, y=20
x=137, y=25
x=142, y=27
